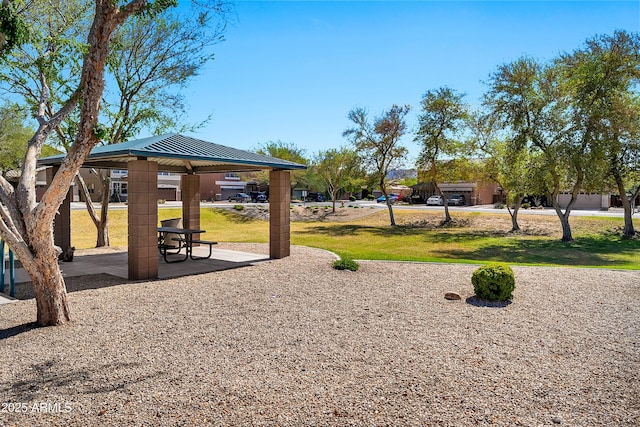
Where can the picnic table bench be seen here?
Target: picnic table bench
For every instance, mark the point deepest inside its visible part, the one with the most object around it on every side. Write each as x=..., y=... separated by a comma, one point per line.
x=171, y=241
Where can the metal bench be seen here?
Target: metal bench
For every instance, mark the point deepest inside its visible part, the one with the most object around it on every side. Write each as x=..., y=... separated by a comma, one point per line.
x=203, y=242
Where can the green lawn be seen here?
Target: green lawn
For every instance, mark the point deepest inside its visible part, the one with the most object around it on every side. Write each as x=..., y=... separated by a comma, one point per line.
x=477, y=238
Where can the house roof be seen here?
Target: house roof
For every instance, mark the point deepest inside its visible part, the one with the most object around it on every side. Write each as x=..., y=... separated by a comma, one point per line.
x=178, y=153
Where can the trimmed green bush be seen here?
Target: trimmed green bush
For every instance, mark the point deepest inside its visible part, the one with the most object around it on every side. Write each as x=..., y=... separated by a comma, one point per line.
x=494, y=282
x=346, y=264
x=525, y=206
x=238, y=207
x=352, y=198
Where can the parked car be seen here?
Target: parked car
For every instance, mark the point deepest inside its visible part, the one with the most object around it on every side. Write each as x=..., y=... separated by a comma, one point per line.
x=315, y=197
x=392, y=197
x=260, y=198
x=240, y=197
x=435, y=200
x=456, y=200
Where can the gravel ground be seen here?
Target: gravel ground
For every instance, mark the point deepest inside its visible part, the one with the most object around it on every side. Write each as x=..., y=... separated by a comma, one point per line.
x=293, y=342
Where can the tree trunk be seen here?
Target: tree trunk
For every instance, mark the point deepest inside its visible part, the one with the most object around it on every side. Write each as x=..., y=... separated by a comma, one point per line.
x=50, y=291
x=103, y=228
x=629, y=231
x=566, y=228
x=102, y=239
x=102, y=223
x=514, y=215
x=391, y=217
x=564, y=217
x=447, y=215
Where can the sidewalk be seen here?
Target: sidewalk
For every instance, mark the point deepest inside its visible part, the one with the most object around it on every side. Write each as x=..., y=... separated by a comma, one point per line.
x=115, y=262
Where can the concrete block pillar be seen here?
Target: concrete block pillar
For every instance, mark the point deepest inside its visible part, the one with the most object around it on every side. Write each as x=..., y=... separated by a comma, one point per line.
x=190, y=185
x=143, y=219
x=62, y=221
x=279, y=214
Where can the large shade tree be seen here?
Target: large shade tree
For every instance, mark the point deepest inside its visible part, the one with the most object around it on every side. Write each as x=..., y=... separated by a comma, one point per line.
x=152, y=57
x=378, y=142
x=603, y=78
x=533, y=101
x=509, y=165
x=27, y=225
x=441, y=121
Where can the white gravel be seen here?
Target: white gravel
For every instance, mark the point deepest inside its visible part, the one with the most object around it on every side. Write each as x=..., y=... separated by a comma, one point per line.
x=293, y=342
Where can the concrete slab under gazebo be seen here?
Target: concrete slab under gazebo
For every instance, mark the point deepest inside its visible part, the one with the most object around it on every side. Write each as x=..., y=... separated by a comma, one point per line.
x=144, y=158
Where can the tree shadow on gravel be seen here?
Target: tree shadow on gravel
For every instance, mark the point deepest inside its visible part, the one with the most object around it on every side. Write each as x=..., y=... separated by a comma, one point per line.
x=17, y=330
x=24, y=290
x=52, y=377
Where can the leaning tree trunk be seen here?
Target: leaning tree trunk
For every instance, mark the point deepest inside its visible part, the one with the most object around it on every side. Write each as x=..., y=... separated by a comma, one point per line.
x=102, y=223
x=392, y=218
x=566, y=228
x=514, y=215
x=447, y=215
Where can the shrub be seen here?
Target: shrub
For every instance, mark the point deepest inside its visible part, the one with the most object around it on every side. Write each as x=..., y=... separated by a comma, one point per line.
x=352, y=198
x=498, y=205
x=346, y=264
x=494, y=282
x=238, y=207
x=370, y=197
x=161, y=201
x=525, y=206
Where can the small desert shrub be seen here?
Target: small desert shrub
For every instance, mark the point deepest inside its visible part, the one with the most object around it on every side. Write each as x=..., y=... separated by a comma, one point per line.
x=494, y=282
x=370, y=197
x=346, y=264
x=498, y=205
x=352, y=198
x=238, y=207
x=525, y=206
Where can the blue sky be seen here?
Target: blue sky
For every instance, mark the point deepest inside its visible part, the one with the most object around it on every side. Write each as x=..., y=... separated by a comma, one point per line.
x=291, y=70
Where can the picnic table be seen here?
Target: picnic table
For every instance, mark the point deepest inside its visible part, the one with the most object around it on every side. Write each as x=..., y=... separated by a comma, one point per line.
x=168, y=243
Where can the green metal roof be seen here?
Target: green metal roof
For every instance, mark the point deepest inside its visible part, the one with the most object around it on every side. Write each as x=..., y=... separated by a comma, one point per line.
x=178, y=153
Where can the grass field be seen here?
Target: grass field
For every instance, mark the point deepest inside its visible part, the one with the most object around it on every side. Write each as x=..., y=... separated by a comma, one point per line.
x=475, y=238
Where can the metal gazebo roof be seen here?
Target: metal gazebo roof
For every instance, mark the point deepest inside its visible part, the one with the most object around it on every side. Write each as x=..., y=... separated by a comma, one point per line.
x=178, y=153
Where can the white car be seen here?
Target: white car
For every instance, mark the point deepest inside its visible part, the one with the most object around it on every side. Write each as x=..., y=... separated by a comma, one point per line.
x=435, y=200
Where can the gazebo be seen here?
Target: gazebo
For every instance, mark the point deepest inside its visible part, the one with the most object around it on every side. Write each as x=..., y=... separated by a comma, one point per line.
x=144, y=158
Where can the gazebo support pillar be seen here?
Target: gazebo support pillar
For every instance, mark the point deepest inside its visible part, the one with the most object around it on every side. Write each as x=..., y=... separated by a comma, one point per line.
x=143, y=219
x=190, y=186
x=279, y=214
x=62, y=222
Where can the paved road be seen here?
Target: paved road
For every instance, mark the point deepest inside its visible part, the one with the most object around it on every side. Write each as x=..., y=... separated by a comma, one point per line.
x=612, y=212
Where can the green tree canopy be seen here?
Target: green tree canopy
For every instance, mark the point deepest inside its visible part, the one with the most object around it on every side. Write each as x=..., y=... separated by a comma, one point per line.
x=440, y=124
x=378, y=143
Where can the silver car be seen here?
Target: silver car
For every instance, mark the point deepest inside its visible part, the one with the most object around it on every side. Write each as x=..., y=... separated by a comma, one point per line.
x=240, y=197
